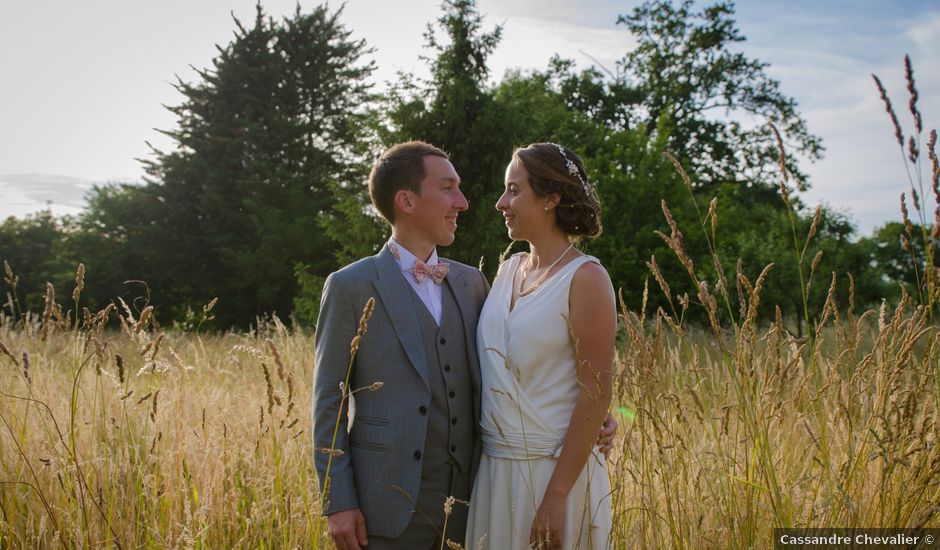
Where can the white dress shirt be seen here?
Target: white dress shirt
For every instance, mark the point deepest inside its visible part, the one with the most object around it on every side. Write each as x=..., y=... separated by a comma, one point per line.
x=427, y=290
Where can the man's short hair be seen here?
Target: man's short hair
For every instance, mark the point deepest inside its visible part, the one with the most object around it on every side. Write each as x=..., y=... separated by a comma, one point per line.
x=399, y=168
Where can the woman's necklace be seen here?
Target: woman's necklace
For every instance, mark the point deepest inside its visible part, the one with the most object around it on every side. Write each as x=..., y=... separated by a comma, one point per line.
x=538, y=282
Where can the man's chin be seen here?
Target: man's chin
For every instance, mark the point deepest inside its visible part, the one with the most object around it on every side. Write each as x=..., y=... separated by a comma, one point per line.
x=446, y=240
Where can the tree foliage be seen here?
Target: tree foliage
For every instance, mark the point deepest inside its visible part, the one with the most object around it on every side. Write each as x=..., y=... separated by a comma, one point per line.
x=455, y=110
x=265, y=192
x=686, y=66
x=33, y=252
x=264, y=138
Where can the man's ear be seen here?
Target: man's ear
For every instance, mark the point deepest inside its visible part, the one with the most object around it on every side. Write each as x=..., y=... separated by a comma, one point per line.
x=404, y=201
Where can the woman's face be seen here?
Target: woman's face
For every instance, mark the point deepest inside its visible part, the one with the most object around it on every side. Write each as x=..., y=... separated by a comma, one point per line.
x=523, y=210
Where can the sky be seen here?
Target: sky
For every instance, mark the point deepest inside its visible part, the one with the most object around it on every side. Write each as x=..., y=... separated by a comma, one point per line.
x=84, y=83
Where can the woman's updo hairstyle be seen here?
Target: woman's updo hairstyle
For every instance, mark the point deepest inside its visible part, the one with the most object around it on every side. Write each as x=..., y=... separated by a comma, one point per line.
x=556, y=169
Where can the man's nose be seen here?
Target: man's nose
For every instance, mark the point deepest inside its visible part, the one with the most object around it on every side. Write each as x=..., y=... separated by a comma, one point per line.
x=461, y=203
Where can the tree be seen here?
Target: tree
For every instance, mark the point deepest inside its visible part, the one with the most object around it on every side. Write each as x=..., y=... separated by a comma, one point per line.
x=454, y=110
x=897, y=259
x=119, y=240
x=32, y=248
x=626, y=166
x=263, y=139
x=718, y=100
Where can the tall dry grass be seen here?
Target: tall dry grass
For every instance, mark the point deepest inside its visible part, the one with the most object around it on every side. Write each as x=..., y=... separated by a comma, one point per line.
x=738, y=428
x=136, y=437
x=145, y=438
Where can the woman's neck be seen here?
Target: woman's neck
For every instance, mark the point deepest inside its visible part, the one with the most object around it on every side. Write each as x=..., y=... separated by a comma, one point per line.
x=544, y=251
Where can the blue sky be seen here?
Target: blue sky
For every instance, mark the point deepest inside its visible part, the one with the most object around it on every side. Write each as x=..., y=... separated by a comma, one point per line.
x=84, y=81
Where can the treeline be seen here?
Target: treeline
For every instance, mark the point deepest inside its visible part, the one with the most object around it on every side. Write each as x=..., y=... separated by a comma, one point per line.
x=264, y=194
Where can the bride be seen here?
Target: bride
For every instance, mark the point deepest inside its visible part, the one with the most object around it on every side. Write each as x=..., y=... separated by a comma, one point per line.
x=546, y=343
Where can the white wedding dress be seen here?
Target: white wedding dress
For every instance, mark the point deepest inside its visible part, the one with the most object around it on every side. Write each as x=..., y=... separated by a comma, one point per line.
x=529, y=389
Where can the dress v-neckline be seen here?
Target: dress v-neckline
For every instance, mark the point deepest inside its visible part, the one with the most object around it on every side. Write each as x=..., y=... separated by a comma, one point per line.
x=511, y=304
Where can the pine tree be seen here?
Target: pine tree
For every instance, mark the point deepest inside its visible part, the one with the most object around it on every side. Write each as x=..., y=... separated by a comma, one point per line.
x=263, y=138
x=455, y=110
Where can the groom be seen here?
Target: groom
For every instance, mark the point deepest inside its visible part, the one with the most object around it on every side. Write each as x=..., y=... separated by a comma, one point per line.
x=402, y=449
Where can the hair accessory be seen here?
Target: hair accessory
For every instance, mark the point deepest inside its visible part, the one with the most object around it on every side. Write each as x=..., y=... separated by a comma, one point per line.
x=573, y=170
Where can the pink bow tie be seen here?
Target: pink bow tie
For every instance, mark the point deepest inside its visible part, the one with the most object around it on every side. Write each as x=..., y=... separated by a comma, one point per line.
x=422, y=271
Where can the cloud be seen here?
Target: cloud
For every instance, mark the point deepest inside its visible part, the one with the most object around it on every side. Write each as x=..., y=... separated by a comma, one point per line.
x=22, y=194
x=530, y=42
x=924, y=32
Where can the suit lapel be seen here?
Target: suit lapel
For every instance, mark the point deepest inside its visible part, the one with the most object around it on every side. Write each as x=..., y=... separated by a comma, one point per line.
x=396, y=297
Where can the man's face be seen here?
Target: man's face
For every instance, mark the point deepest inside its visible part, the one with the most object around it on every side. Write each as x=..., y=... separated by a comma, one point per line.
x=435, y=210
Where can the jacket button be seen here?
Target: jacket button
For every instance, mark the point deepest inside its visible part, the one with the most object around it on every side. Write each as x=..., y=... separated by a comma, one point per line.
x=417, y=455
x=452, y=394
x=423, y=410
x=447, y=368
x=453, y=448
x=453, y=421
x=443, y=341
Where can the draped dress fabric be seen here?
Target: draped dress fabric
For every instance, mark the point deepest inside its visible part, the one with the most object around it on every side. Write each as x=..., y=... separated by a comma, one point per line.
x=529, y=390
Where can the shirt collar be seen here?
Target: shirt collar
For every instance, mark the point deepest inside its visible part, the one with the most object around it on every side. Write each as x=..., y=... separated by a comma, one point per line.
x=406, y=260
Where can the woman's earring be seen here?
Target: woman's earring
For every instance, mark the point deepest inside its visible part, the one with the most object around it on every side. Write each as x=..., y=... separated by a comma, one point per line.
x=545, y=208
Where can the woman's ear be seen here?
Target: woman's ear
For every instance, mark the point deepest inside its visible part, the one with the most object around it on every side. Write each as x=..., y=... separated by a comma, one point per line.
x=552, y=200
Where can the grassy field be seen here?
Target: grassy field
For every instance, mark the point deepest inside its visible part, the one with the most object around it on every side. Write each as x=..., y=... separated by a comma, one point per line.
x=131, y=436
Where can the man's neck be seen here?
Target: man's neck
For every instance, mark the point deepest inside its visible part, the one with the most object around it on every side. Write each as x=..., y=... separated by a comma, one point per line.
x=421, y=248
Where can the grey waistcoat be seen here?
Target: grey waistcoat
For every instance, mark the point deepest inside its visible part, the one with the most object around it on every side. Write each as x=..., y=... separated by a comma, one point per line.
x=450, y=414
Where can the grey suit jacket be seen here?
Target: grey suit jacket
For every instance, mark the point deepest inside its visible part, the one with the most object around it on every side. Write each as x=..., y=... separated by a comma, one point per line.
x=381, y=433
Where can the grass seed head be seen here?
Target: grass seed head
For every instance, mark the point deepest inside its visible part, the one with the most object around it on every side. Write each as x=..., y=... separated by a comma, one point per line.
x=5, y=351
x=153, y=406
x=270, y=387
x=8, y=275
x=678, y=165
x=449, y=506
x=912, y=153
x=816, y=259
x=890, y=110
x=144, y=319
x=657, y=274
x=912, y=90
x=782, y=162
x=79, y=282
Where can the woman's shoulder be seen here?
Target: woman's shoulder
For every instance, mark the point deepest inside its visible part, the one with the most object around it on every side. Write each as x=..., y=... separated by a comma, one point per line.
x=515, y=257
x=590, y=277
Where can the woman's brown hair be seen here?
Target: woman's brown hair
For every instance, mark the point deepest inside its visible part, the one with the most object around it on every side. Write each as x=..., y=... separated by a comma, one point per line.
x=556, y=169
